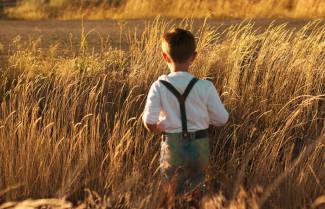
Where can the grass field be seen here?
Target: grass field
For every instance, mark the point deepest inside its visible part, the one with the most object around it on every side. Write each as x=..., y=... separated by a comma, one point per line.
x=99, y=9
x=70, y=118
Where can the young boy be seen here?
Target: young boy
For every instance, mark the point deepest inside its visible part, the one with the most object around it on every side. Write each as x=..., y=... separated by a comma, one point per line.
x=181, y=108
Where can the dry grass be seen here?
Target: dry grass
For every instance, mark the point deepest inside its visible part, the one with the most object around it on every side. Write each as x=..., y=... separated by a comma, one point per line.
x=70, y=119
x=64, y=9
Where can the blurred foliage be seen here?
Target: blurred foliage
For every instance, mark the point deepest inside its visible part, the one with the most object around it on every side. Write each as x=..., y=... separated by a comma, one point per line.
x=101, y=9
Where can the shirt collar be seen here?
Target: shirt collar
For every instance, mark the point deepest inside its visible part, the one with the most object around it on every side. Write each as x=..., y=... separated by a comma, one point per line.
x=179, y=73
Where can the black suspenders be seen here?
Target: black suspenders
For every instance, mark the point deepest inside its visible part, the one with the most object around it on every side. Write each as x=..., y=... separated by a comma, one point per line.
x=181, y=99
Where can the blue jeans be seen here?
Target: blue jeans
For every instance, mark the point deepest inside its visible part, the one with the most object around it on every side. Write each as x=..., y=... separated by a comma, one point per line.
x=183, y=162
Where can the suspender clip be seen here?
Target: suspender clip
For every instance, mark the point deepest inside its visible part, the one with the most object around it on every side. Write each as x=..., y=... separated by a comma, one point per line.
x=185, y=135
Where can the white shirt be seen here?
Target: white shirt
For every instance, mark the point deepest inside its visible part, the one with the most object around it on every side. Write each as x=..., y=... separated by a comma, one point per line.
x=203, y=104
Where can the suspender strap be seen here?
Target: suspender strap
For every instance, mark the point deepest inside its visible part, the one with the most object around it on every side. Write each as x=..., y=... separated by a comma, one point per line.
x=181, y=99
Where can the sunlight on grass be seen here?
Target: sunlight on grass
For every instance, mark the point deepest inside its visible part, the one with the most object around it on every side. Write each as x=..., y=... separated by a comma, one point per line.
x=64, y=9
x=70, y=120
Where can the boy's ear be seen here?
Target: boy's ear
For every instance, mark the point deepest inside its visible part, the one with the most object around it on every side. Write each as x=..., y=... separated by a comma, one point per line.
x=166, y=57
x=194, y=56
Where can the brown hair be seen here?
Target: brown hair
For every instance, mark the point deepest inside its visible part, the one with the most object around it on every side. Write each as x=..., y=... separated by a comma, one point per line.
x=181, y=44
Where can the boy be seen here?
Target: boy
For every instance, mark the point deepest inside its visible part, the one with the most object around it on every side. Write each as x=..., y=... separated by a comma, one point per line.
x=181, y=108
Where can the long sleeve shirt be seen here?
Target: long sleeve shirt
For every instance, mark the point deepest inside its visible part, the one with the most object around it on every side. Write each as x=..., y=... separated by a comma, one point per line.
x=203, y=104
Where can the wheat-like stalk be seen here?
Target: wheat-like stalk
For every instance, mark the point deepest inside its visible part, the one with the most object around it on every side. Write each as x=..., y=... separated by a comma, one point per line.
x=72, y=121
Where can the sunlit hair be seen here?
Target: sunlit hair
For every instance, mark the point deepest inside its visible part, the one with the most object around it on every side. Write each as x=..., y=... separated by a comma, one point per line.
x=179, y=44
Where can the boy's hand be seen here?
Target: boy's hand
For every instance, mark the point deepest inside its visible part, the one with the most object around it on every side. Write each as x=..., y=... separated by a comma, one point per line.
x=155, y=128
x=160, y=127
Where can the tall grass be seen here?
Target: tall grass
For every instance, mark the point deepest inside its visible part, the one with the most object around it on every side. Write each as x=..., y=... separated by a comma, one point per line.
x=70, y=121
x=35, y=9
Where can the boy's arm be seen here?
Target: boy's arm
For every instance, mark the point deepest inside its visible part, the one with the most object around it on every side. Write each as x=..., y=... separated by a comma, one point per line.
x=217, y=111
x=152, y=109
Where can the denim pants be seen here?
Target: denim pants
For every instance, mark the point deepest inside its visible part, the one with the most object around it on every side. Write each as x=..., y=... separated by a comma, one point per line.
x=183, y=162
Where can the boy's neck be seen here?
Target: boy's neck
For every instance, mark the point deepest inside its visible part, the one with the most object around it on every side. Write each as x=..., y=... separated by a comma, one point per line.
x=179, y=67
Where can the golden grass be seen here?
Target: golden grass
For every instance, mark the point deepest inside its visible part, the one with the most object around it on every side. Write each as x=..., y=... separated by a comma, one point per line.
x=70, y=119
x=63, y=9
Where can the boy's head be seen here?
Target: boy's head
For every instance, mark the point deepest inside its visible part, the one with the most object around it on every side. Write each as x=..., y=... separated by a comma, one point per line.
x=179, y=46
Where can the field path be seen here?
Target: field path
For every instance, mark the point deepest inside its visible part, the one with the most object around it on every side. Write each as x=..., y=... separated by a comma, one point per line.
x=68, y=32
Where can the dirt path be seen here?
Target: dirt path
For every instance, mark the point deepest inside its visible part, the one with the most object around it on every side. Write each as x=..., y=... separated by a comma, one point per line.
x=68, y=32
